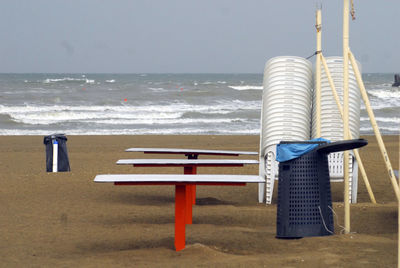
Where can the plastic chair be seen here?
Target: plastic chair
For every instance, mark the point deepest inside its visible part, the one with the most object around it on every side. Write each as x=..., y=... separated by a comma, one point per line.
x=285, y=114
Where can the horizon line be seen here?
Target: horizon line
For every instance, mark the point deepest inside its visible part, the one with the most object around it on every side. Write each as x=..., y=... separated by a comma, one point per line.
x=173, y=73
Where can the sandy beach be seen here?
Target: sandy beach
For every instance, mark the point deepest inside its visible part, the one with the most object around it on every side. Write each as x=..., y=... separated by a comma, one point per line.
x=67, y=220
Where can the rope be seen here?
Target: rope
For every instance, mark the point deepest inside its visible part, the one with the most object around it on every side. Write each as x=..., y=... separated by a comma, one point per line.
x=337, y=221
x=323, y=221
x=352, y=12
x=315, y=53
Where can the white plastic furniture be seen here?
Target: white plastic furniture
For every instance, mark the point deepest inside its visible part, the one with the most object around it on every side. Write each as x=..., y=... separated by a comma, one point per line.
x=285, y=113
x=332, y=123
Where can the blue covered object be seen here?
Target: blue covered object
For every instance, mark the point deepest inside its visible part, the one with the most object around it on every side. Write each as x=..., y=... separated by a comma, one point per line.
x=289, y=151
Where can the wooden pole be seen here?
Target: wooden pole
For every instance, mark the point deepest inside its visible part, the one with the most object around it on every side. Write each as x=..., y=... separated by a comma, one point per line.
x=346, y=113
x=318, y=76
x=375, y=127
x=339, y=105
x=380, y=143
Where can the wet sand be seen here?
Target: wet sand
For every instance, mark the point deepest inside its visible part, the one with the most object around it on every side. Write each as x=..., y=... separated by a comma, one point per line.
x=67, y=220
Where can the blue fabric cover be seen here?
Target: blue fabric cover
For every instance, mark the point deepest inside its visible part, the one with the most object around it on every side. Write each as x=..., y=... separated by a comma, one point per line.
x=286, y=152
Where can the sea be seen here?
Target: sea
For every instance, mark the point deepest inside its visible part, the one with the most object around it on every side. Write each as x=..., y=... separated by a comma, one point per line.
x=141, y=104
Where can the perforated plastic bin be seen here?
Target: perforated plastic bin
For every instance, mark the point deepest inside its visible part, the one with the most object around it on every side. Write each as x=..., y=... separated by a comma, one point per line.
x=304, y=192
x=62, y=163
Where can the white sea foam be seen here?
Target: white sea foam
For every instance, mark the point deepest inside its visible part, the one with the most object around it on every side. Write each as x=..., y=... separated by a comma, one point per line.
x=246, y=87
x=384, y=130
x=383, y=119
x=133, y=131
x=54, y=117
x=48, y=118
x=144, y=114
x=157, y=89
x=382, y=104
x=385, y=94
x=110, y=81
x=69, y=79
x=222, y=106
x=158, y=121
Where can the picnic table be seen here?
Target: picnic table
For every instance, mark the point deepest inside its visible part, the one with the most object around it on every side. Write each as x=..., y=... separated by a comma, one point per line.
x=185, y=184
x=183, y=199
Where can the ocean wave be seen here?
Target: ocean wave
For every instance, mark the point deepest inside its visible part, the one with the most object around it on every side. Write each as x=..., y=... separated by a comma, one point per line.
x=48, y=118
x=110, y=81
x=385, y=94
x=157, y=89
x=384, y=130
x=68, y=79
x=381, y=105
x=48, y=115
x=221, y=105
x=32, y=90
x=133, y=131
x=383, y=119
x=246, y=87
x=156, y=121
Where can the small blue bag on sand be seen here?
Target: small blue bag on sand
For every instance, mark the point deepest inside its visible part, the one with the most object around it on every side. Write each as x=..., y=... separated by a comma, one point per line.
x=289, y=151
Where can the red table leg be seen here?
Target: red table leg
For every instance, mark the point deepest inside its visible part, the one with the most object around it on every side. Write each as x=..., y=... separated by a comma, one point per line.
x=182, y=204
x=191, y=170
x=188, y=204
x=180, y=217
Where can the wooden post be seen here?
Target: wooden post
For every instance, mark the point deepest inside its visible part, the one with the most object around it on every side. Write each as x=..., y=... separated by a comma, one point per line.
x=356, y=154
x=346, y=113
x=375, y=127
x=318, y=75
x=380, y=143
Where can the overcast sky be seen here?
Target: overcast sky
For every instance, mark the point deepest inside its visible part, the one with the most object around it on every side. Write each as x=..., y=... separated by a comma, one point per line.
x=188, y=36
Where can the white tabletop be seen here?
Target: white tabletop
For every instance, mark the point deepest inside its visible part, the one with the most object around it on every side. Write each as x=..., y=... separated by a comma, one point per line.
x=178, y=178
x=189, y=151
x=186, y=162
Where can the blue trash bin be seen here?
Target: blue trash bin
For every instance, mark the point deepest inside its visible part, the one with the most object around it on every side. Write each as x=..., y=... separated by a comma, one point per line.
x=62, y=163
x=304, y=193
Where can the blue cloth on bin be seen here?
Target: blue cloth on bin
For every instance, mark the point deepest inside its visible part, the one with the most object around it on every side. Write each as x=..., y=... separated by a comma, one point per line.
x=289, y=151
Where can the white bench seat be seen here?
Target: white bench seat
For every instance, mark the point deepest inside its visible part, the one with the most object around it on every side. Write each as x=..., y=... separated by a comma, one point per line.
x=197, y=162
x=189, y=151
x=179, y=178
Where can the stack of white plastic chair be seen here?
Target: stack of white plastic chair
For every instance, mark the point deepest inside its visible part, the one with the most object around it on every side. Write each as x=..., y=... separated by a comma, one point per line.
x=332, y=123
x=285, y=115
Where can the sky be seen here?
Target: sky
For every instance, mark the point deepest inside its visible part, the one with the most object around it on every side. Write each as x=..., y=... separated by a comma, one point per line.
x=188, y=36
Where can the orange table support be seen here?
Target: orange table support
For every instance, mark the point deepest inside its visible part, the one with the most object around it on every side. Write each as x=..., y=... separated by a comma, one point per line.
x=183, y=204
x=191, y=170
x=190, y=192
x=181, y=216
